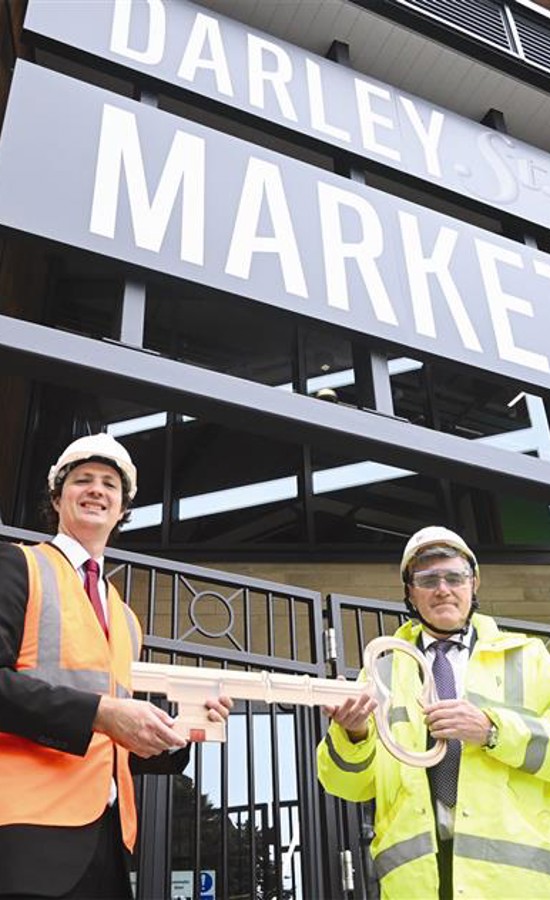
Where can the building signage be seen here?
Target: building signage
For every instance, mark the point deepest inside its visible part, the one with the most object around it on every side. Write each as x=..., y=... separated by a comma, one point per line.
x=88, y=168
x=184, y=45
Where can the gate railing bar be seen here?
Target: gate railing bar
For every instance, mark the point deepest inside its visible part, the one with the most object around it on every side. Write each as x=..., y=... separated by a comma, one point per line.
x=221, y=654
x=276, y=805
x=251, y=786
x=391, y=607
x=161, y=564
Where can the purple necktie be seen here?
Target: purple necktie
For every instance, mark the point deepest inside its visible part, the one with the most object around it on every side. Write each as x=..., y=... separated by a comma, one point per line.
x=91, y=567
x=444, y=776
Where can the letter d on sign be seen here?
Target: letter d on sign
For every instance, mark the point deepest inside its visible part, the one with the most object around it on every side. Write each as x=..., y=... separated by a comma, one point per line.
x=120, y=33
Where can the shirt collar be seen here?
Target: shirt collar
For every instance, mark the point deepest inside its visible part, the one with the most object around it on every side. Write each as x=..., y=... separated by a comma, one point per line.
x=75, y=552
x=464, y=640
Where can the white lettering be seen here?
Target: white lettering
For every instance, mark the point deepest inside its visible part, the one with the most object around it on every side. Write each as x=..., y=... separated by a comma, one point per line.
x=120, y=32
x=501, y=304
x=317, y=104
x=534, y=175
x=206, y=29
x=263, y=182
x=279, y=77
x=541, y=268
x=419, y=267
x=119, y=148
x=429, y=137
x=368, y=119
x=364, y=251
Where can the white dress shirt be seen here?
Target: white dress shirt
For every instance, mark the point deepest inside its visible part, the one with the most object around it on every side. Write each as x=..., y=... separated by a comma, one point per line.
x=458, y=658
x=77, y=556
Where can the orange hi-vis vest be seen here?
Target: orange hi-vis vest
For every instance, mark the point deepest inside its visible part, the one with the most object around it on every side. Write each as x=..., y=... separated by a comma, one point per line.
x=64, y=644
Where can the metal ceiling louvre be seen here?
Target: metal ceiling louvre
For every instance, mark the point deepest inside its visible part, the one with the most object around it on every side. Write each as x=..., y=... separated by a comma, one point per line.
x=481, y=18
x=535, y=40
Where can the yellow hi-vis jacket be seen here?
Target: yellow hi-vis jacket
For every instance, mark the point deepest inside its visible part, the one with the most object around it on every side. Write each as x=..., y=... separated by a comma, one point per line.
x=64, y=644
x=501, y=845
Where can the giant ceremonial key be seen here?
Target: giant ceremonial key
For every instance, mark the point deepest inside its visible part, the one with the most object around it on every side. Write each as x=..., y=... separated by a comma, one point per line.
x=189, y=687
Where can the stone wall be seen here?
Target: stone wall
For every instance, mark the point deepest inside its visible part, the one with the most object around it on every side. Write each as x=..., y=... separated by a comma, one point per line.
x=507, y=590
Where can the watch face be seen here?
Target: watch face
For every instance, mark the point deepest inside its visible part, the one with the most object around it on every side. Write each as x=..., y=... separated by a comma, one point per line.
x=492, y=737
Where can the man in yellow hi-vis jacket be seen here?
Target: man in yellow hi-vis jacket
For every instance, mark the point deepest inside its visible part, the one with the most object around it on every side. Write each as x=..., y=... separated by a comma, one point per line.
x=477, y=825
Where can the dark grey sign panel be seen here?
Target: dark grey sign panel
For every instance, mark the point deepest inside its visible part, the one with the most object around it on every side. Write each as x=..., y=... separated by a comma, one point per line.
x=188, y=46
x=85, y=167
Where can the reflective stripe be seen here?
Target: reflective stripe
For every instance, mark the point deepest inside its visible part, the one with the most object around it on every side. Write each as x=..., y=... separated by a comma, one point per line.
x=535, y=752
x=402, y=853
x=481, y=701
x=121, y=691
x=132, y=628
x=537, y=745
x=48, y=666
x=83, y=679
x=398, y=714
x=341, y=763
x=384, y=667
x=503, y=853
x=514, y=697
x=49, y=627
x=513, y=677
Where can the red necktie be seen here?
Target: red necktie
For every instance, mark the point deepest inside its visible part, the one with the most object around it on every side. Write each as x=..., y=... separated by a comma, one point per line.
x=91, y=568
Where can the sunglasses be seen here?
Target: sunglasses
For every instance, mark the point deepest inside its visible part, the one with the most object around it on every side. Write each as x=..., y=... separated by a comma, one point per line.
x=453, y=578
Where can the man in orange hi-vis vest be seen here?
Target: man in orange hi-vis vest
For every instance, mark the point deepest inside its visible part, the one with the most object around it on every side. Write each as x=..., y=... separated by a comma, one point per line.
x=68, y=722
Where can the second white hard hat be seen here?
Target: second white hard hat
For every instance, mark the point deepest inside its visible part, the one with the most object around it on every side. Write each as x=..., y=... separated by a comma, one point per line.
x=431, y=536
x=100, y=446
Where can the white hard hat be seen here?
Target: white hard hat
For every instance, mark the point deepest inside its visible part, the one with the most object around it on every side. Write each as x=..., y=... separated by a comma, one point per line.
x=101, y=446
x=435, y=535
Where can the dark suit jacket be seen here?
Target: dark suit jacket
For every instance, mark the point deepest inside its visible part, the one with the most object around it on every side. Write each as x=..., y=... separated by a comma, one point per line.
x=35, y=859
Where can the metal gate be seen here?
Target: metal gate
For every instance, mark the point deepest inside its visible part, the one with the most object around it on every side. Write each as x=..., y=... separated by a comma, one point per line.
x=246, y=821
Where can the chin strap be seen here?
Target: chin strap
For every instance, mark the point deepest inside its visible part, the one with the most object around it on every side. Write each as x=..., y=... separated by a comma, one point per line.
x=414, y=614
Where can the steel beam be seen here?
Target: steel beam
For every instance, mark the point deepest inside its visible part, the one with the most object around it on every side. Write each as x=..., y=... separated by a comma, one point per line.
x=105, y=367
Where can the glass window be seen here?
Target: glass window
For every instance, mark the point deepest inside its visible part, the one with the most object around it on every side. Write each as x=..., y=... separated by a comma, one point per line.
x=218, y=490
x=85, y=299
x=234, y=487
x=204, y=328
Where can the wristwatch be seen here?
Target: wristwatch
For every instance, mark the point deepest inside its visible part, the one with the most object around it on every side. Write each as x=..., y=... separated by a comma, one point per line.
x=492, y=737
